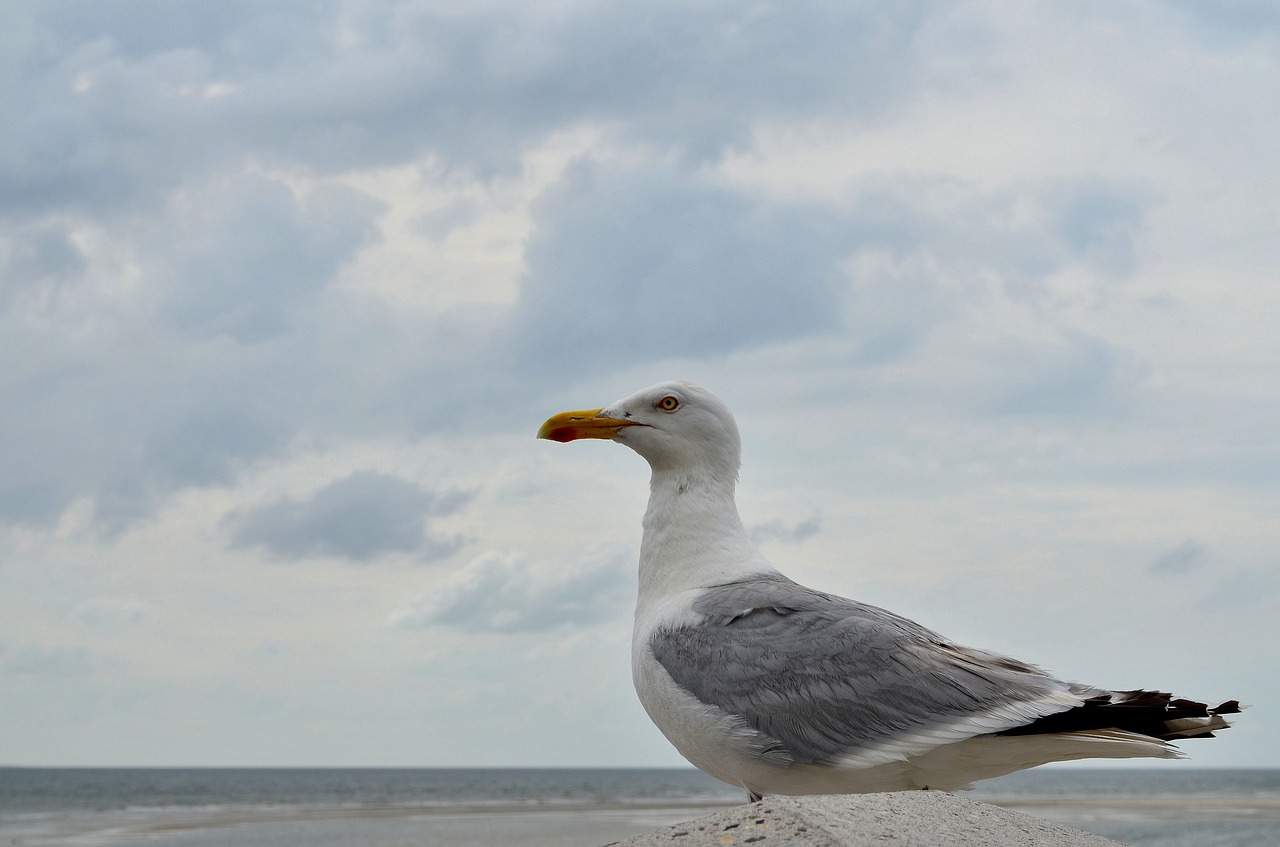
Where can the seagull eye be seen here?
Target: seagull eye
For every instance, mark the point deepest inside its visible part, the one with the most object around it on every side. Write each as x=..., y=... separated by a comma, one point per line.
x=669, y=403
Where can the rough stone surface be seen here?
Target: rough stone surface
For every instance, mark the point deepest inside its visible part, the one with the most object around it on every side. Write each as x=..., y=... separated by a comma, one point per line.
x=899, y=819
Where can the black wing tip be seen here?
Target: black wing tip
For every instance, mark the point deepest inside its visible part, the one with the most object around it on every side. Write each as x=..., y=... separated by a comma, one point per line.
x=1140, y=711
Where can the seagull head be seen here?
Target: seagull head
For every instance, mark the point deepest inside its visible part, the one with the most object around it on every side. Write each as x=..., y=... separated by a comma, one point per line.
x=678, y=427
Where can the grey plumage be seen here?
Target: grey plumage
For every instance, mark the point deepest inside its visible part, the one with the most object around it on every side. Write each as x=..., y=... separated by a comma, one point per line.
x=824, y=677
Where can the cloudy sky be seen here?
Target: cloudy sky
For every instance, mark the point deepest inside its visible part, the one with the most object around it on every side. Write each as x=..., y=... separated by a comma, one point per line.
x=287, y=288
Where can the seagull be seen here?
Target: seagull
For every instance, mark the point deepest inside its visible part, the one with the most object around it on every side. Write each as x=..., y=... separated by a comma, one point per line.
x=781, y=689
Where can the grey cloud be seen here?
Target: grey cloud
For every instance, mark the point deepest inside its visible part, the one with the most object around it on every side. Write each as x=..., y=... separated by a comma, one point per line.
x=1022, y=233
x=652, y=263
x=1187, y=556
x=108, y=108
x=40, y=254
x=231, y=339
x=197, y=450
x=221, y=344
x=1244, y=588
x=788, y=533
x=244, y=32
x=115, y=405
x=1230, y=20
x=48, y=661
x=702, y=74
x=252, y=252
x=655, y=262
x=901, y=229
x=1073, y=373
x=359, y=518
x=122, y=421
x=29, y=502
x=891, y=310
x=107, y=613
x=637, y=264
x=1098, y=222
x=505, y=593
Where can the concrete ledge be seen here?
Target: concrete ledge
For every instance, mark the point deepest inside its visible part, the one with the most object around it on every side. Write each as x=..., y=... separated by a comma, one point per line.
x=903, y=818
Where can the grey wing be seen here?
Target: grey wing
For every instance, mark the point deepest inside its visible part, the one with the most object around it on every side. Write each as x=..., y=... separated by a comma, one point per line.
x=827, y=677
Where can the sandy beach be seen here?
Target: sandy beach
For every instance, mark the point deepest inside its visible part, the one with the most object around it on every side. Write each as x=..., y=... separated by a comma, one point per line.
x=481, y=825
x=538, y=825
x=568, y=808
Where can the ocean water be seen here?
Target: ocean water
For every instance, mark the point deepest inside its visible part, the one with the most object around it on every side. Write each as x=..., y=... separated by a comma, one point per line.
x=268, y=807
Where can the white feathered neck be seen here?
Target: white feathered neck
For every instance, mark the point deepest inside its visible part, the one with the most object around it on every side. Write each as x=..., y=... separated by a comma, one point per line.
x=693, y=537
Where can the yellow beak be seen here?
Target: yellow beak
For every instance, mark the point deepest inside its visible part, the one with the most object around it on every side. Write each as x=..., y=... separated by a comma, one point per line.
x=568, y=426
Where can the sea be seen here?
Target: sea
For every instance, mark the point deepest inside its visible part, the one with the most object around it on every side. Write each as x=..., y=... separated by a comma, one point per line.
x=476, y=807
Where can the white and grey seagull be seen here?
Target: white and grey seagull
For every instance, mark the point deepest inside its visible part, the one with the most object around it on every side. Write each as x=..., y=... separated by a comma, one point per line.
x=780, y=689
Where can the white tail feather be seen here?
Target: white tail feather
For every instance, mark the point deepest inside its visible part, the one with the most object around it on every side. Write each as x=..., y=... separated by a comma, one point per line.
x=1191, y=727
